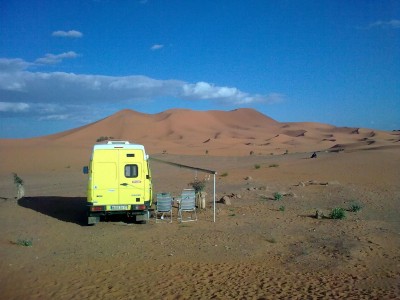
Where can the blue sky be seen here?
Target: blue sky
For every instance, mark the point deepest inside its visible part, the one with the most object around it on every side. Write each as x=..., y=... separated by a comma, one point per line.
x=64, y=64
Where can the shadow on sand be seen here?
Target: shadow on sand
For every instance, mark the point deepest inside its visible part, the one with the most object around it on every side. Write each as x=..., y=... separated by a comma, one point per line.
x=67, y=209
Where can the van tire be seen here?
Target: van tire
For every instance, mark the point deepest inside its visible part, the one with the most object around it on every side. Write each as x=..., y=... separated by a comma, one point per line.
x=93, y=220
x=142, y=219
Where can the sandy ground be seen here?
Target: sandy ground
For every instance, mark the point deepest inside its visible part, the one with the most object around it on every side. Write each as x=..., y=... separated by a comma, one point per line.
x=258, y=248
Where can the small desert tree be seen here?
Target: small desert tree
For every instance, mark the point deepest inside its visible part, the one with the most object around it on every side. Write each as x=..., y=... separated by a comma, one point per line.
x=19, y=184
x=199, y=186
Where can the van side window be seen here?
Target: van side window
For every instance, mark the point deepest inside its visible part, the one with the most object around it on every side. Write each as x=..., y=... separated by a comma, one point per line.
x=131, y=171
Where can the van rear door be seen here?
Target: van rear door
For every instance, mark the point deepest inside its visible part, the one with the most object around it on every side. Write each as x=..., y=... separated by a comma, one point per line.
x=131, y=179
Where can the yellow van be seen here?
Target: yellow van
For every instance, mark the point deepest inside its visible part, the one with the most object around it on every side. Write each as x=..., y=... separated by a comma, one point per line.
x=119, y=181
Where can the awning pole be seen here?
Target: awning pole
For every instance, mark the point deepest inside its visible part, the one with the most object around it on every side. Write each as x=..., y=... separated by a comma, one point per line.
x=214, y=197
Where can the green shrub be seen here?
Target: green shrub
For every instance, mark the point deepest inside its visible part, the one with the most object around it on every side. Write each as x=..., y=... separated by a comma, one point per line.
x=338, y=213
x=277, y=196
x=273, y=165
x=224, y=174
x=282, y=208
x=17, y=180
x=24, y=242
x=19, y=184
x=257, y=166
x=104, y=138
x=355, y=207
x=271, y=240
x=198, y=185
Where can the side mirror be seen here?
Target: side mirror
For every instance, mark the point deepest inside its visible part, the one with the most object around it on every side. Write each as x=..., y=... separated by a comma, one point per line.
x=85, y=170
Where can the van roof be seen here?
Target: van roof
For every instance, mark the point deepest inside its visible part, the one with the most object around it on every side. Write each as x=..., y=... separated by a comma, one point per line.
x=119, y=145
x=117, y=142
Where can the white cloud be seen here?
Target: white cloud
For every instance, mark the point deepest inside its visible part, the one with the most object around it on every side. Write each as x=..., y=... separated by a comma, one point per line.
x=204, y=90
x=394, y=24
x=60, y=95
x=55, y=117
x=156, y=47
x=232, y=95
x=13, y=107
x=69, y=34
x=13, y=64
x=275, y=97
x=50, y=59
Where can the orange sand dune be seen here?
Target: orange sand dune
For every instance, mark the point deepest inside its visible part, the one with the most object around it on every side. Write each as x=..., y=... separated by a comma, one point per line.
x=183, y=131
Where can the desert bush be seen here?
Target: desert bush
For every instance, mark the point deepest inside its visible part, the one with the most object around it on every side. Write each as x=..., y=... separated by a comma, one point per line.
x=17, y=180
x=338, y=213
x=224, y=174
x=273, y=165
x=198, y=185
x=24, y=242
x=278, y=196
x=282, y=208
x=19, y=184
x=104, y=138
x=257, y=166
x=271, y=240
x=355, y=206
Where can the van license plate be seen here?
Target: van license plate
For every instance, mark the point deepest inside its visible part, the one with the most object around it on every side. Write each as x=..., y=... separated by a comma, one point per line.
x=119, y=207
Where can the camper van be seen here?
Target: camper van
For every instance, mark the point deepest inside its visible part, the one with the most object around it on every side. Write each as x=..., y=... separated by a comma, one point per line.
x=119, y=181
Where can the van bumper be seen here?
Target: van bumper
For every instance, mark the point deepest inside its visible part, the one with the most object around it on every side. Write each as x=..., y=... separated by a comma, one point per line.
x=129, y=209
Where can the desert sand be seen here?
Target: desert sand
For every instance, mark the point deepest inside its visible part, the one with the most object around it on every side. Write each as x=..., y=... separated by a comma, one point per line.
x=258, y=248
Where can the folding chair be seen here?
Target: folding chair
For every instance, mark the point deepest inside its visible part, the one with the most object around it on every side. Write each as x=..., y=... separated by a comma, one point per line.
x=187, y=206
x=163, y=208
